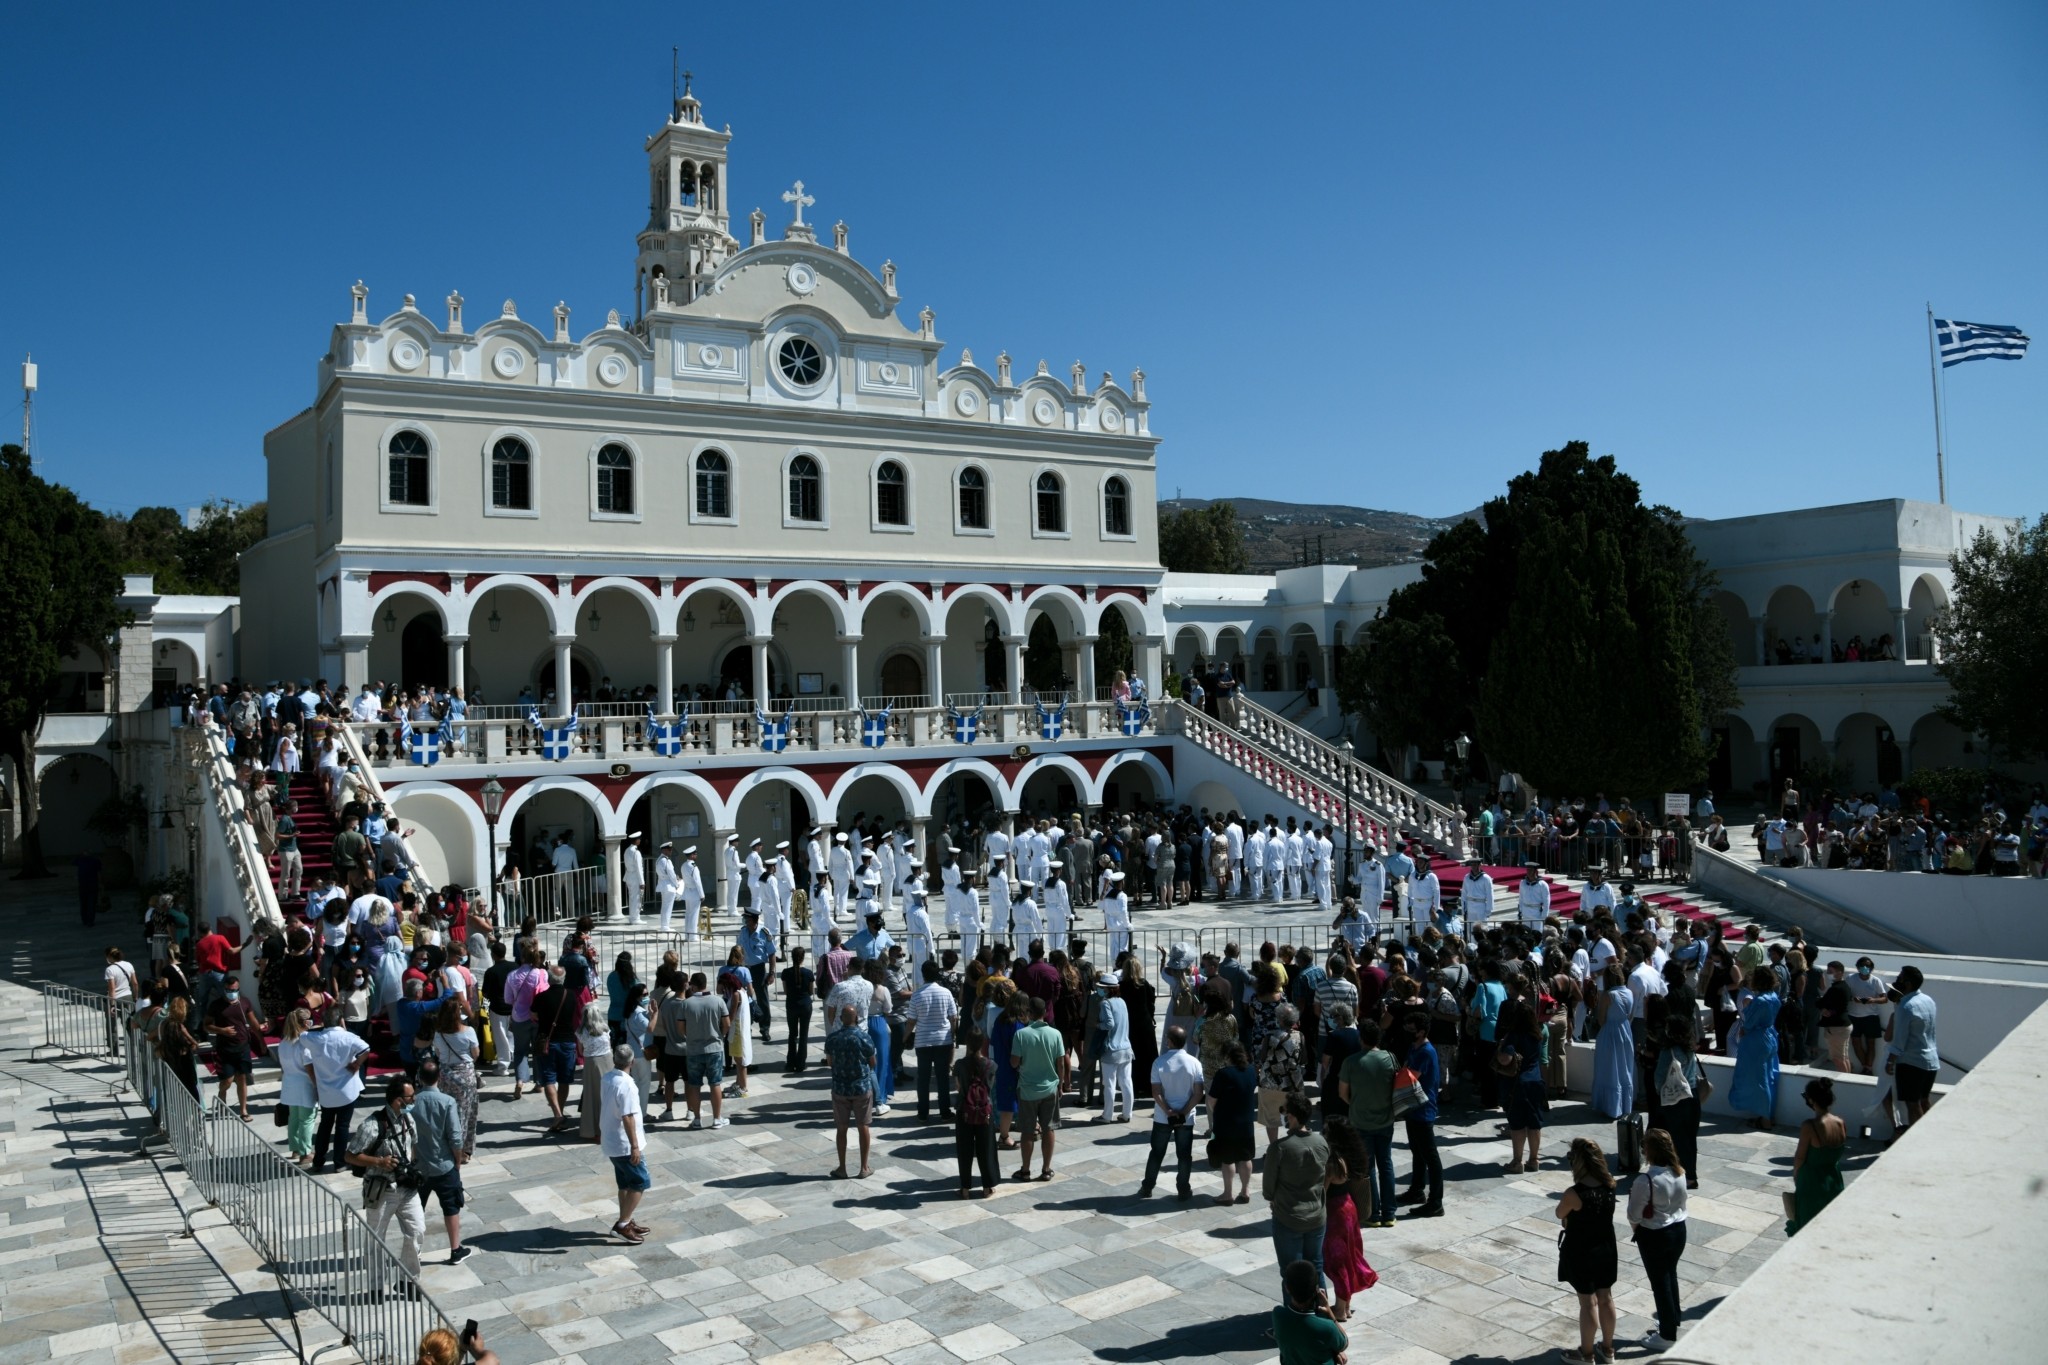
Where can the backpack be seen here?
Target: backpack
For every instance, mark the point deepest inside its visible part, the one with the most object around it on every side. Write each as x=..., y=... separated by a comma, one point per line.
x=975, y=1105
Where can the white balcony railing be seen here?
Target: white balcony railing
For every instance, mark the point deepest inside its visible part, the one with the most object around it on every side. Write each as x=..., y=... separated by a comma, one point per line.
x=621, y=738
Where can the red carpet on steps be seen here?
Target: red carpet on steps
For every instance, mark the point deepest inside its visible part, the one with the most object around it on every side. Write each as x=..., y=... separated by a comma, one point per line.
x=1564, y=900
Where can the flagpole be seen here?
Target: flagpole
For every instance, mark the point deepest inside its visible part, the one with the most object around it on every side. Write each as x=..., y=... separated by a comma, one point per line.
x=1934, y=383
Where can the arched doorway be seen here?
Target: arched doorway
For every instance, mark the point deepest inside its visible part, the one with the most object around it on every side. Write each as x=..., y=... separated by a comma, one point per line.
x=68, y=793
x=902, y=675
x=738, y=666
x=422, y=653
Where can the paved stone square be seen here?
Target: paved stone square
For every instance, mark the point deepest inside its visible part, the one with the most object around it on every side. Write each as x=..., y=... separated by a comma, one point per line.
x=757, y=1254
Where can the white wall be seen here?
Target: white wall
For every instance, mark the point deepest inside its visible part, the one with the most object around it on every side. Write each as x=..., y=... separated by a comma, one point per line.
x=1973, y=916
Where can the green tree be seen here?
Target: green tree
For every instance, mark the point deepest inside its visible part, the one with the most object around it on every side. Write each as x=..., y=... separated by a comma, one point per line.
x=1570, y=632
x=1203, y=540
x=202, y=558
x=1113, y=648
x=60, y=585
x=1994, y=641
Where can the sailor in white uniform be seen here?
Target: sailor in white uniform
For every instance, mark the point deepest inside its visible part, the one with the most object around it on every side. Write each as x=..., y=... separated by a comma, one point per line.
x=917, y=928
x=1293, y=861
x=1532, y=901
x=757, y=873
x=1234, y=841
x=633, y=876
x=1024, y=911
x=840, y=861
x=666, y=884
x=999, y=896
x=1116, y=916
x=1372, y=889
x=1254, y=864
x=1276, y=861
x=963, y=907
x=1597, y=893
x=885, y=865
x=1325, y=850
x=693, y=896
x=1476, y=900
x=729, y=888
x=821, y=916
x=1059, y=907
x=1425, y=899
x=785, y=890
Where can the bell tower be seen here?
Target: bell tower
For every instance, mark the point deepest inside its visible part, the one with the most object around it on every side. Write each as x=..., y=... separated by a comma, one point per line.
x=685, y=239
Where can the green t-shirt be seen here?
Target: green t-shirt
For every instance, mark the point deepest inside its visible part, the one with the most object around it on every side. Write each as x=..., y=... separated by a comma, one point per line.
x=1304, y=1338
x=1041, y=1047
x=1371, y=1078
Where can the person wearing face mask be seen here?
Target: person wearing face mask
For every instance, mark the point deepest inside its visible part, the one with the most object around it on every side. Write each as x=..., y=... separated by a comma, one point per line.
x=383, y=1149
x=1866, y=1014
x=237, y=1032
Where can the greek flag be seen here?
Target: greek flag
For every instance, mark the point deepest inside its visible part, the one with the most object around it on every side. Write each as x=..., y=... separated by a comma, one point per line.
x=774, y=733
x=1960, y=341
x=1132, y=720
x=966, y=728
x=554, y=744
x=874, y=729
x=666, y=738
x=423, y=747
x=1052, y=721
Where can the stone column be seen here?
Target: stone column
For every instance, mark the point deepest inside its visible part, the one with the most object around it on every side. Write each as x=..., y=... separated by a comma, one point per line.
x=1151, y=662
x=1827, y=638
x=1762, y=649
x=665, y=673
x=458, y=655
x=759, y=644
x=849, y=669
x=917, y=842
x=1084, y=666
x=1899, y=633
x=355, y=661
x=1013, y=666
x=614, y=884
x=565, y=692
x=1905, y=747
x=934, y=669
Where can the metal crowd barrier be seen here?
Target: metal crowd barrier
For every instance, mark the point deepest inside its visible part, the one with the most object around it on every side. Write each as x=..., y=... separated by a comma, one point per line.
x=80, y=1022
x=314, y=1242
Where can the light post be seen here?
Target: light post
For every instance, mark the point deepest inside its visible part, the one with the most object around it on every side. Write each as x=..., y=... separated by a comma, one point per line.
x=1344, y=748
x=493, y=794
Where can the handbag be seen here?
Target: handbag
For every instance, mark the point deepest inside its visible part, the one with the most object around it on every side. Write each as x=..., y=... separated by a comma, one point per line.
x=1672, y=1088
x=280, y=1114
x=1408, y=1091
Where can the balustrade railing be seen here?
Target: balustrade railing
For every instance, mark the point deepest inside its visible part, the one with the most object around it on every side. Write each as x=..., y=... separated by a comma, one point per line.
x=493, y=739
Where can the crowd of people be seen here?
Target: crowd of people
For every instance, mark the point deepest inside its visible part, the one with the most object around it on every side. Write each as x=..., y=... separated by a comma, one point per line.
x=1882, y=831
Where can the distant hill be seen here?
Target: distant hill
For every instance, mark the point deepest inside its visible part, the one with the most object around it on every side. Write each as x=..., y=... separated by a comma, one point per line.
x=1275, y=532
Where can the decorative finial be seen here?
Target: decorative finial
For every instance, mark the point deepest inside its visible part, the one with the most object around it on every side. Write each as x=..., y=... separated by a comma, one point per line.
x=1003, y=369
x=925, y=318
x=611, y=319
x=561, y=321
x=759, y=221
x=1138, y=385
x=409, y=304
x=661, y=291
x=889, y=278
x=839, y=236
x=1107, y=380
x=966, y=356
x=1080, y=373
x=455, y=313
x=1042, y=370
x=510, y=310
x=359, y=296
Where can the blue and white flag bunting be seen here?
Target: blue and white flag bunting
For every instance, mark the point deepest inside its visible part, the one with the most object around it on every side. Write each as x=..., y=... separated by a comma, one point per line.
x=1132, y=720
x=554, y=744
x=874, y=728
x=423, y=747
x=666, y=737
x=1052, y=720
x=1960, y=341
x=966, y=727
x=774, y=733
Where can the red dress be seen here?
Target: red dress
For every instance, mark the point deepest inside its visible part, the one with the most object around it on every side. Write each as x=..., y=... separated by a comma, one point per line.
x=1344, y=1248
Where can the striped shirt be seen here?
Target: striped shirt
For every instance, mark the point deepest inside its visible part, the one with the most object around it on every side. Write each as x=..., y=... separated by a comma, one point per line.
x=934, y=1012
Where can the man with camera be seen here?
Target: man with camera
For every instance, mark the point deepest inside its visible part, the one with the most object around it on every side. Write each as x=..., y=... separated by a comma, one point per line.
x=383, y=1150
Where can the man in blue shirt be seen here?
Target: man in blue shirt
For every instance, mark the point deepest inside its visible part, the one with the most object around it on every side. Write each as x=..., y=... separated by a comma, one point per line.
x=1400, y=871
x=757, y=951
x=872, y=942
x=438, y=1153
x=411, y=1014
x=1426, y=1183
x=1914, y=1058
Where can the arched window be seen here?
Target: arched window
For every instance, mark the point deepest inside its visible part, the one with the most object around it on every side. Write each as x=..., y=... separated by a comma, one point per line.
x=1052, y=503
x=511, y=475
x=892, y=495
x=408, y=466
x=714, y=485
x=804, y=503
x=1116, y=508
x=615, y=480
x=973, y=500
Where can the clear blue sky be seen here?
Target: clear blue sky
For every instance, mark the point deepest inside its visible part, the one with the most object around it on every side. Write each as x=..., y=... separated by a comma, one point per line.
x=1365, y=253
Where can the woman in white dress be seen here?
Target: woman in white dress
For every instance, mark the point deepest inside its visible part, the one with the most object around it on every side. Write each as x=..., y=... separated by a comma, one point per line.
x=287, y=750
